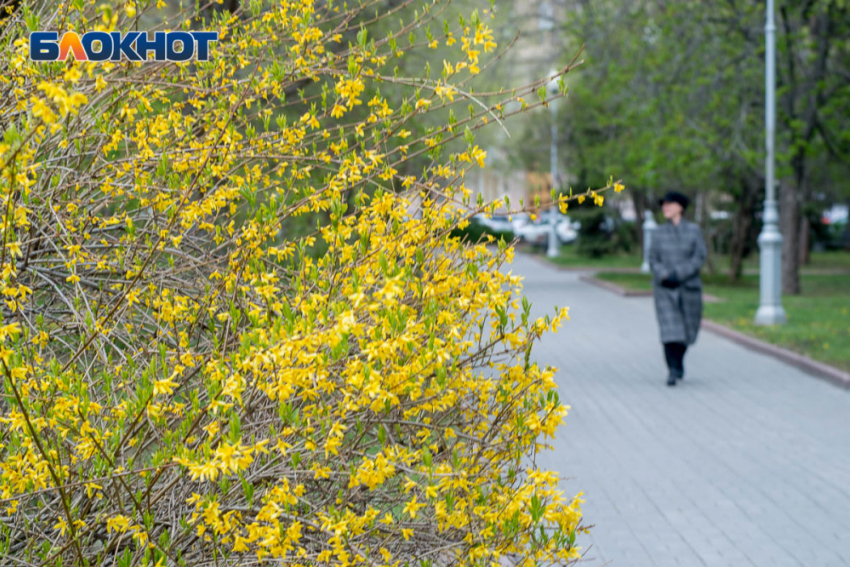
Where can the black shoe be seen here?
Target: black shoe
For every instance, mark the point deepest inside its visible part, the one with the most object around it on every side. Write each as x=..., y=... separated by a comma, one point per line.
x=681, y=376
x=671, y=380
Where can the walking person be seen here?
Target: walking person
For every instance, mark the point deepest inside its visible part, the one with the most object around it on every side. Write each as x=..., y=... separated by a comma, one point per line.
x=676, y=255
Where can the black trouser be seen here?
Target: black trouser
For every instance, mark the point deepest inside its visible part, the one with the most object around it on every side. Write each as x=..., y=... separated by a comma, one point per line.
x=675, y=354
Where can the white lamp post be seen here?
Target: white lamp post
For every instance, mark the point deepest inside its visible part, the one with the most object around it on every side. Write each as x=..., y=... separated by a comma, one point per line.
x=553, y=248
x=770, y=311
x=649, y=226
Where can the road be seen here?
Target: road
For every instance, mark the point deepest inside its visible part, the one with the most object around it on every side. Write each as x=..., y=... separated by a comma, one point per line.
x=744, y=463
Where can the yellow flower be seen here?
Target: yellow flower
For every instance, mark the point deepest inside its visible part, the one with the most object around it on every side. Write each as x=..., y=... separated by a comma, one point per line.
x=73, y=74
x=239, y=544
x=164, y=387
x=14, y=249
x=412, y=508
x=117, y=523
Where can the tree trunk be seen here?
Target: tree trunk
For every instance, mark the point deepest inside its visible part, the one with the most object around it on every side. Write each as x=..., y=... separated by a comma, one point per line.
x=702, y=218
x=738, y=246
x=742, y=225
x=639, y=200
x=789, y=224
x=805, y=240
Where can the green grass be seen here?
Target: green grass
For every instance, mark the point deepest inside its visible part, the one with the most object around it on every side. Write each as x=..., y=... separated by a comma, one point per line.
x=818, y=320
x=833, y=260
x=635, y=282
x=569, y=258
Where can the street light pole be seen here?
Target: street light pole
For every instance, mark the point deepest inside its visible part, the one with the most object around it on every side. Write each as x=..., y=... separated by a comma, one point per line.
x=649, y=226
x=553, y=249
x=770, y=311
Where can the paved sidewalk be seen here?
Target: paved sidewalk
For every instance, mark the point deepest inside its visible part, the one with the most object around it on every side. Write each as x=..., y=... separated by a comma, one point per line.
x=745, y=462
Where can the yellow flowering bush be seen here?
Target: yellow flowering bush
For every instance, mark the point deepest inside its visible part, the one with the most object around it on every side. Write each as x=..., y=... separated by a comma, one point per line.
x=232, y=332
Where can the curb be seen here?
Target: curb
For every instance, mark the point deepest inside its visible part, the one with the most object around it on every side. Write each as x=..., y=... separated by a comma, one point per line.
x=624, y=270
x=829, y=373
x=587, y=269
x=818, y=369
x=547, y=263
x=633, y=292
x=614, y=287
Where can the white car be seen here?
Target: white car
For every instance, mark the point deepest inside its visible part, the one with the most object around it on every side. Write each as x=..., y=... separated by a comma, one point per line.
x=495, y=224
x=567, y=232
x=537, y=232
x=519, y=220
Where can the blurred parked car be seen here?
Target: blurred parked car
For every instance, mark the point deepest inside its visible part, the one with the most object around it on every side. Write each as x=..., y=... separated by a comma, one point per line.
x=519, y=220
x=494, y=224
x=834, y=233
x=609, y=225
x=536, y=232
x=720, y=215
x=566, y=232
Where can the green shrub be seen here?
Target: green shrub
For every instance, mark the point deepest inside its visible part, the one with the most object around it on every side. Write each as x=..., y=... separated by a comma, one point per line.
x=474, y=232
x=593, y=240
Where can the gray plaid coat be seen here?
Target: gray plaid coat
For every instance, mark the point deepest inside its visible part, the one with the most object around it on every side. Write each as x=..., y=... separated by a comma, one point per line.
x=678, y=250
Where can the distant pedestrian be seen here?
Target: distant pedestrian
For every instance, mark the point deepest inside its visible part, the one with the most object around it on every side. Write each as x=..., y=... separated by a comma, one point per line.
x=676, y=255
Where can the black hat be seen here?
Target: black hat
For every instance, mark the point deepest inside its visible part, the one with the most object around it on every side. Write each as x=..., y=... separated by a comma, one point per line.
x=675, y=197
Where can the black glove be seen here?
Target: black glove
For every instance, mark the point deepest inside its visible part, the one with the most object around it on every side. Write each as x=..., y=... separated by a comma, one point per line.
x=671, y=281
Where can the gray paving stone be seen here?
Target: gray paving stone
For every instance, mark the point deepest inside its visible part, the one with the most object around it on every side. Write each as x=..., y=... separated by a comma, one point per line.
x=746, y=462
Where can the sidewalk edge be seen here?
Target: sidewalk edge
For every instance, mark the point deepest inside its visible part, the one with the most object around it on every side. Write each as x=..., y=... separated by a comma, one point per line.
x=808, y=365
x=614, y=287
x=619, y=290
